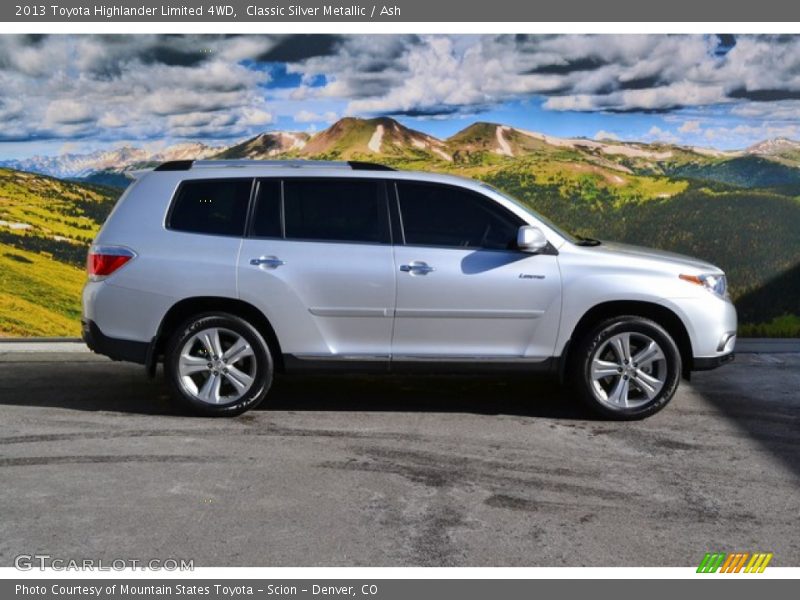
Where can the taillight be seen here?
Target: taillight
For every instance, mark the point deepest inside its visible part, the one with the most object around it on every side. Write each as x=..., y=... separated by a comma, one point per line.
x=104, y=260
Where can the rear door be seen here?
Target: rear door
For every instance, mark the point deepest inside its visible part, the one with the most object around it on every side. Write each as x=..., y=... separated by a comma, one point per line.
x=318, y=262
x=464, y=290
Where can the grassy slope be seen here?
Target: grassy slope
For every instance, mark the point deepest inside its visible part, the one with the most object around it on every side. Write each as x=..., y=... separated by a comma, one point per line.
x=743, y=171
x=39, y=296
x=41, y=267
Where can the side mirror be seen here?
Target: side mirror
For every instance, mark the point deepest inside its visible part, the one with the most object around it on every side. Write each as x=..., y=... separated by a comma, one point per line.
x=531, y=239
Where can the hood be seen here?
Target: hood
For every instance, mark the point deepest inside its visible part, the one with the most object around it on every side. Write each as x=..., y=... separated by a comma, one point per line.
x=641, y=252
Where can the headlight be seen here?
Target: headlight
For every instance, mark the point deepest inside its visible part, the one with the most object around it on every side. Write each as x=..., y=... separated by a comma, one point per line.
x=714, y=282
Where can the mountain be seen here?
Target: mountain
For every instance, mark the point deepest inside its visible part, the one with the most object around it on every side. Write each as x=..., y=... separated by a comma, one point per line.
x=116, y=160
x=79, y=165
x=484, y=140
x=782, y=150
x=774, y=147
x=771, y=163
x=505, y=140
x=351, y=138
x=266, y=145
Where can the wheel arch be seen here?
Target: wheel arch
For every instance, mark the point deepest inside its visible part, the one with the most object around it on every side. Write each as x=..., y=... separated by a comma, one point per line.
x=662, y=315
x=186, y=308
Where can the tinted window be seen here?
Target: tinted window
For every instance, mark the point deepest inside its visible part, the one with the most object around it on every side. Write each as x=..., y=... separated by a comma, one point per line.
x=335, y=210
x=267, y=216
x=218, y=207
x=437, y=215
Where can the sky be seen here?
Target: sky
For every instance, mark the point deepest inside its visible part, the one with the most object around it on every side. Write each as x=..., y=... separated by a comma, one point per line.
x=80, y=93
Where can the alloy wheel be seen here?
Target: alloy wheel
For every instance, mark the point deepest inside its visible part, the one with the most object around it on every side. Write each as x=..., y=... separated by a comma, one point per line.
x=216, y=366
x=628, y=370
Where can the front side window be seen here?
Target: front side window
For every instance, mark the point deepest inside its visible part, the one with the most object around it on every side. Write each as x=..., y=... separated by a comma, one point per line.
x=335, y=210
x=217, y=207
x=440, y=215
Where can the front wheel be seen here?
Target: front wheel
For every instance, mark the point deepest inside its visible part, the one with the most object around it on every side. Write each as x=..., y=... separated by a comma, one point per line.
x=627, y=368
x=218, y=364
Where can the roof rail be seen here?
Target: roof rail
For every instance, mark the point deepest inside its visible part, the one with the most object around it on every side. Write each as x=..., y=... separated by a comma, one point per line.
x=358, y=165
x=185, y=165
x=175, y=165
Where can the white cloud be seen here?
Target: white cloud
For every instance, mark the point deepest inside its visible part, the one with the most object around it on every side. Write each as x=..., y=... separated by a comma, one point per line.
x=575, y=72
x=657, y=134
x=581, y=102
x=606, y=135
x=131, y=87
x=251, y=117
x=153, y=87
x=786, y=110
x=433, y=74
x=110, y=120
x=307, y=116
x=199, y=119
x=749, y=134
x=67, y=112
x=690, y=127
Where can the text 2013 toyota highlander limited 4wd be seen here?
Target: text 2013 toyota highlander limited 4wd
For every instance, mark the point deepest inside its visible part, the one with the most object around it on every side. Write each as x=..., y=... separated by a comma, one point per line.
x=233, y=270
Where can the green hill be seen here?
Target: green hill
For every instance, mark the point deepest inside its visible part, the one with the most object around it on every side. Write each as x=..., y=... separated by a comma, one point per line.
x=107, y=178
x=46, y=225
x=743, y=171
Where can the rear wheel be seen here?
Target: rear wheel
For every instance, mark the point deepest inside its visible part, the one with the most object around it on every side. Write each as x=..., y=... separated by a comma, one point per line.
x=627, y=368
x=218, y=364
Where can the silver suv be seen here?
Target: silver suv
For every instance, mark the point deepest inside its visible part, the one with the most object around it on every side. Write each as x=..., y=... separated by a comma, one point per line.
x=232, y=271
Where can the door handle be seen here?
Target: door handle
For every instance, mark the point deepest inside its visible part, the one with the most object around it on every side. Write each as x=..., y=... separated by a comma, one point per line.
x=417, y=267
x=271, y=262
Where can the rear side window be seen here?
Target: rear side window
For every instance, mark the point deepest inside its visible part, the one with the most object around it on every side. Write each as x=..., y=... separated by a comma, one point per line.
x=440, y=215
x=217, y=207
x=341, y=210
x=267, y=215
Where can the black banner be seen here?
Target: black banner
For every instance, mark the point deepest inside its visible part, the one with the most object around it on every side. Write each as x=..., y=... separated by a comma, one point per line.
x=266, y=11
x=385, y=589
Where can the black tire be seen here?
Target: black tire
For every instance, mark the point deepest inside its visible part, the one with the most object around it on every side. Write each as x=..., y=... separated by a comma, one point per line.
x=261, y=368
x=595, y=341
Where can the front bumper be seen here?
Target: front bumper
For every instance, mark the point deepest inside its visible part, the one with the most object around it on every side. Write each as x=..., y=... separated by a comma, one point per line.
x=711, y=323
x=712, y=362
x=114, y=348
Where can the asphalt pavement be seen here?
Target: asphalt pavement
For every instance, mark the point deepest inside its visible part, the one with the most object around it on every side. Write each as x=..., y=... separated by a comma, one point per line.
x=428, y=471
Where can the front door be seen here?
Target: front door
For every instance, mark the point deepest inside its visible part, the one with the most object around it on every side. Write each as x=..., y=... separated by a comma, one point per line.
x=463, y=290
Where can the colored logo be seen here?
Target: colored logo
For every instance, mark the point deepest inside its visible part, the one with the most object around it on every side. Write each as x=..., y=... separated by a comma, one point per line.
x=734, y=562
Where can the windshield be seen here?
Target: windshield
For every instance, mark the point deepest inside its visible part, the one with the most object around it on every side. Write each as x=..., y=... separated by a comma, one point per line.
x=567, y=236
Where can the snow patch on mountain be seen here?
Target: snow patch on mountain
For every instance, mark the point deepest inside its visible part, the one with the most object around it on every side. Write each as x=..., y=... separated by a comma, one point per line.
x=375, y=141
x=504, y=147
